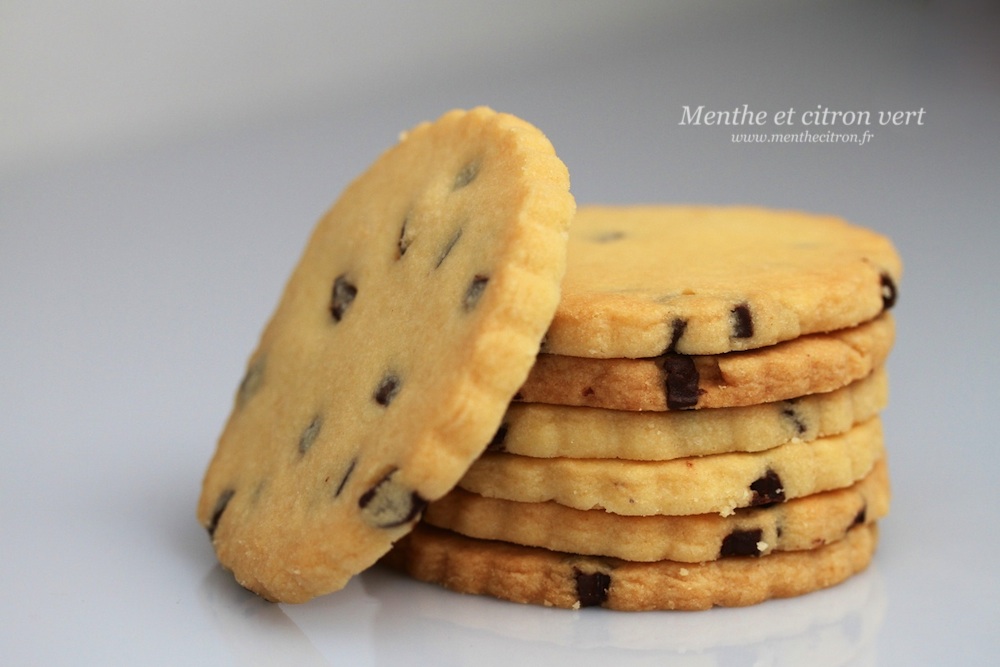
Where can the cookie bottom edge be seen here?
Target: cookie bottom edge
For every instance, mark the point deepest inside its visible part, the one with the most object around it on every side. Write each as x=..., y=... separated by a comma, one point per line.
x=531, y=575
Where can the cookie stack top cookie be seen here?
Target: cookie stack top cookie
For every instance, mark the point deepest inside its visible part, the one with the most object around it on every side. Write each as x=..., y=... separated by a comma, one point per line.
x=413, y=316
x=647, y=280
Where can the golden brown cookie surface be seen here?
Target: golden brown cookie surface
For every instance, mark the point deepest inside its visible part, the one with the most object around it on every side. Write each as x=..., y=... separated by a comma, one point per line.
x=720, y=483
x=537, y=576
x=645, y=280
x=810, y=364
x=549, y=431
x=413, y=316
x=799, y=524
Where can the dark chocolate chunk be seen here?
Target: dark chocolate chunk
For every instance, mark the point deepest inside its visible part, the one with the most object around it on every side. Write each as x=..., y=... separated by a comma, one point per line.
x=403, y=243
x=742, y=321
x=680, y=381
x=220, y=507
x=497, y=443
x=861, y=516
x=466, y=175
x=475, y=291
x=767, y=490
x=342, y=296
x=741, y=543
x=388, y=504
x=251, y=381
x=608, y=237
x=789, y=413
x=888, y=291
x=448, y=248
x=592, y=588
x=309, y=434
x=387, y=389
x=343, y=480
x=677, y=328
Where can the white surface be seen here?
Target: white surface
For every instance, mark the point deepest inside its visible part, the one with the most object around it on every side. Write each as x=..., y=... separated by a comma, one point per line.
x=135, y=276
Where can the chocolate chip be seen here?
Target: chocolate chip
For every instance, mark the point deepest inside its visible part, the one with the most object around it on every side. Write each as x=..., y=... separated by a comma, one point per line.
x=343, y=480
x=466, y=175
x=742, y=321
x=220, y=506
x=497, y=443
x=448, y=248
x=387, y=389
x=309, y=434
x=741, y=543
x=403, y=243
x=789, y=413
x=591, y=589
x=888, y=291
x=677, y=328
x=608, y=237
x=342, y=296
x=861, y=516
x=475, y=291
x=767, y=490
x=680, y=381
x=388, y=504
x=251, y=381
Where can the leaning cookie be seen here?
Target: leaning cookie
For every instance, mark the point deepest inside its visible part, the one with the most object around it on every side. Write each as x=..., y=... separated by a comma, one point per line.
x=799, y=524
x=414, y=314
x=537, y=576
x=646, y=280
x=550, y=431
x=720, y=483
x=807, y=365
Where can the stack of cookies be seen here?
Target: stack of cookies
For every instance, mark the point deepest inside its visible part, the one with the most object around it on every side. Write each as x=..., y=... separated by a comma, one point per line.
x=683, y=402
x=701, y=427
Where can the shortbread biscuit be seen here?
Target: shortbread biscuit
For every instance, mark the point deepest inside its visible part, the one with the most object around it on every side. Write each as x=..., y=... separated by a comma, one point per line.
x=839, y=622
x=811, y=364
x=537, y=576
x=801, y=523
x=646, y=280
x=548, y=431
x=413, y=316
x=719, y=483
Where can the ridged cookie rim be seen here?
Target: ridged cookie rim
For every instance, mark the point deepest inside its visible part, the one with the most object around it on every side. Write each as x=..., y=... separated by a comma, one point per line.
x=529, y=575
x=615, y=324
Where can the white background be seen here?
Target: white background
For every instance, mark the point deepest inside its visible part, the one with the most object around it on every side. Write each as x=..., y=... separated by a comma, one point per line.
x=161, y=164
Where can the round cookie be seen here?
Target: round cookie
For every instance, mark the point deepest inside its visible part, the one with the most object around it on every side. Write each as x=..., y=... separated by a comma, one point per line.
x=550, y=431
x=645, y=280
x=531, y=575
x=801, y=523
x=719, y=483
x=413, y=316
x=811, y=364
